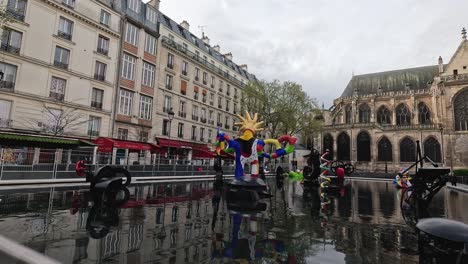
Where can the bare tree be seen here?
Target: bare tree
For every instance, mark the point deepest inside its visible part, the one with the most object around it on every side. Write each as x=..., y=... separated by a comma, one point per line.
x=61, y=120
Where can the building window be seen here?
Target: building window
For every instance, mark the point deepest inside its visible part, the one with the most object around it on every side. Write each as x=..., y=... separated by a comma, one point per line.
x=403, y=115
x=69, y=3
x=460, y=111
x=226, y=122
x=180, y=130
x=228, y=89
x=195, y=94
x=197, y=74
x=194, y=132
x=407, y=150
x=211, y=117
x=8, y=72
x=210, y=135
x=364, y=113
x=105, y=18
x=61, y=57
x=227, y=104
x=167, y=104
x=103, y=45
x=343, y=146
x=202, y=134
x=219, y=124
x=144, y=135
x=131, y=34
x=11, y=40
x=203, y=115
x=220, y=86
x=384, y=116
x=204, y=96
x=17, y=9
x=94, y=126
x=169, y=81
x=363, y=147
x=348, y=114
x=5, y=107
x=57, y=88
x=235, y=108
x=220, y=102
x=432, y=149
x=148, y=74
x=211, y=98
x=122, y=134
x=424, y=115
x=185, y=46
x=150, y=44
x=212, y=83
x=384, y=150
x=134, y=5
x=146, y=107
x=151, y=14
x=170, y=61
x=125, y=102
x=97, y=98
x=65, y=29
x=128, y=66
x=328, y=144
x=195, y=113
x=165, y=127
x=100, y=71
x=205, y=78
x=184, y=68
x=182, y=112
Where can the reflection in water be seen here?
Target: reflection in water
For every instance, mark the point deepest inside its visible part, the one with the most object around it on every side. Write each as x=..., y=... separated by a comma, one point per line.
x=179, y=223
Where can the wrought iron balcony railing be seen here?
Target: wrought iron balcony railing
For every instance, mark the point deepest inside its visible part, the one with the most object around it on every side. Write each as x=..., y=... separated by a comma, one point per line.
x=16, y=14
x=203, y=120
x=60, y=64
x=102, y=51
x=99, y=77
x=194, y=117
x=211, y=122
x=57, y=96
x=5, y=123
x=182, y=114
x=169, y=87
x=9, y=48
x=64, y=35
x=7, y=85
x=93, y=133
x=96, y=104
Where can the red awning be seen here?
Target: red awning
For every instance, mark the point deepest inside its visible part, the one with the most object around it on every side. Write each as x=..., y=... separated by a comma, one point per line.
x=202, y=154
x=107, y=144
x=162, y=142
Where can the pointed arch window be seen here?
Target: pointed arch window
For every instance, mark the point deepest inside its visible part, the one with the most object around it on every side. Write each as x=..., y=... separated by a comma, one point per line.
x=424, y=115
x=348, y=111
x=364, y=113
x=403, y=115
x=384, y=150
x=343, y=146
x=432, y=149
x=407, y=150
x=384, y=116
x=363, y=146
x=460, y=107
x=328, y=144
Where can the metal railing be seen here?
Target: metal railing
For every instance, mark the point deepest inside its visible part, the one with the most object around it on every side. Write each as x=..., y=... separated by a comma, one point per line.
x=7, y=85
x=4, y=123
x=26, y=164
x=102, y=51
x=60, y=64
x=64, y=35
x=9, y=48
x=16, y=14
x=452, y=78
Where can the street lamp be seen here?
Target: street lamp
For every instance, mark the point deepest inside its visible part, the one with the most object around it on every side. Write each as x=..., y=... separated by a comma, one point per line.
x=170, y=115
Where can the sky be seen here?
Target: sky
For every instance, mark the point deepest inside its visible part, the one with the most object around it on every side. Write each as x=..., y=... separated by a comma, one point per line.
x=322, y=43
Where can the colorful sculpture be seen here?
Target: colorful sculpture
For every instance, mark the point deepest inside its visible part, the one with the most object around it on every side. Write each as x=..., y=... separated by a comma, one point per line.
x=247, y=149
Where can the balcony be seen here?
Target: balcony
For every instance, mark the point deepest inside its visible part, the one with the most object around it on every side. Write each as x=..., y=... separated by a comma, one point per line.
x=7, y=85
x=16, y=14
x=455, y=78
x=182, y=114
x=5, y=123
x=211, y=122
x=169, y=87
x=197, y=78
x=219, y=124
x=194, y=117
x=69, y=3
x=165, y=132
x=184, y=73
x=60, y=64
x=64, y=35
x=166, y=109
x=227, y=126
x=92, y=133
x=10, y=48
x=99, y=77
x=203, y=120
x=102, y=51
x=170, y=66
x=57, y=96
x=97, y=105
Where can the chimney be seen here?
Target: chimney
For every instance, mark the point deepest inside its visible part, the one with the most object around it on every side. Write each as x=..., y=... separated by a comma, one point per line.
x=217, y=48
x=441, y=65
x=206, y=40
x=154, y=3
x=185, y=25
x=244, y=67
x=228, y=56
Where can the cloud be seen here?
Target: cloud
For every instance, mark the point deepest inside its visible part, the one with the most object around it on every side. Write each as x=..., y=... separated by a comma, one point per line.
x=320, y=43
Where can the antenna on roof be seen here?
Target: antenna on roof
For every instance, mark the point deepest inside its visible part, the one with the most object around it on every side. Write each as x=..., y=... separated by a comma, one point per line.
x=202, y=28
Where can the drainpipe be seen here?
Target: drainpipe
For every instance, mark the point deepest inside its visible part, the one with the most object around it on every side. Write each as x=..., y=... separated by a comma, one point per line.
x=117, y=78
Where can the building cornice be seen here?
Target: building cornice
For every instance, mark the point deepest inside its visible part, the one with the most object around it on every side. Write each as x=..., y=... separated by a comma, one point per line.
x=81, y=17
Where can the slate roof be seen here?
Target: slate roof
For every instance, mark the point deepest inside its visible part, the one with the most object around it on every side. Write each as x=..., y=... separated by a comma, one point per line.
x=179, y=30
x=392, y=81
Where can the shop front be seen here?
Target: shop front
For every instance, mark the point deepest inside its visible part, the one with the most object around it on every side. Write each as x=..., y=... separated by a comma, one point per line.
x=125, y=152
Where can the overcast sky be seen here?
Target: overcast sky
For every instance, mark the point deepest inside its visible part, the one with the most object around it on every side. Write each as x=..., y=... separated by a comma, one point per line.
x=320, y=43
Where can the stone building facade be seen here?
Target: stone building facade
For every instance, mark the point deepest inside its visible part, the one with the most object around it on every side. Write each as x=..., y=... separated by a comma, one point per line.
x=57, y=67
x=379, y=118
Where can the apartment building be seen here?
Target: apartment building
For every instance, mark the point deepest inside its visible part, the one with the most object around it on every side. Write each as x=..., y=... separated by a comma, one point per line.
x=199, y=90
x=58, y=68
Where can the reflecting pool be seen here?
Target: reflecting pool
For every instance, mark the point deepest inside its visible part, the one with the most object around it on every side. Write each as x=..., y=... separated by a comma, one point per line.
x=190, y=223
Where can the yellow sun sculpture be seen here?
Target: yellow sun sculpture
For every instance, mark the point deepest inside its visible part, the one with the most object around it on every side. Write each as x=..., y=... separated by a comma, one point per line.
x=248, y=125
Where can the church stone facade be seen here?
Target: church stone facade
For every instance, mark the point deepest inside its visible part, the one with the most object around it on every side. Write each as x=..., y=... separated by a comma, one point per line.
x=379, y=118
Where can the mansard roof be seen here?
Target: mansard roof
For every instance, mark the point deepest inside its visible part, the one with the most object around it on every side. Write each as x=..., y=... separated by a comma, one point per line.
x=391, y=81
